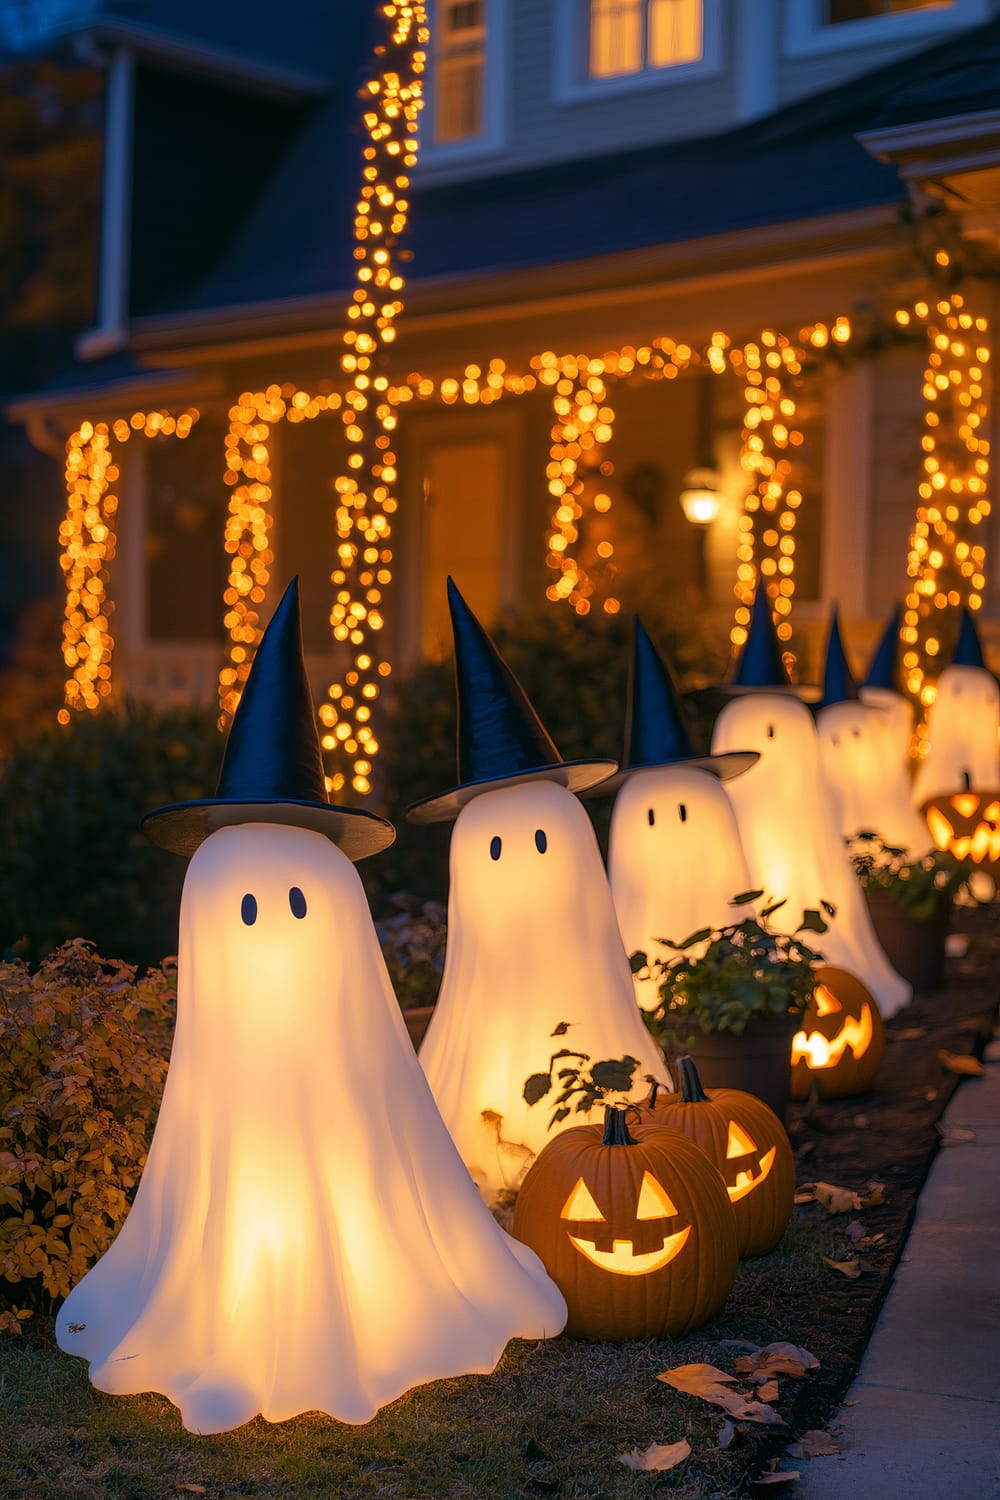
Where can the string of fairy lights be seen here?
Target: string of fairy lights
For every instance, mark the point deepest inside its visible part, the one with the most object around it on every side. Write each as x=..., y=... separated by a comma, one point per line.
x=945, y=564
x=365, y=491
x=946, y=560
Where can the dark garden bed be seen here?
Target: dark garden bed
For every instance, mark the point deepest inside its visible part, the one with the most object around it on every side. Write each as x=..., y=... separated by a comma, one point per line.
x=555, y=1417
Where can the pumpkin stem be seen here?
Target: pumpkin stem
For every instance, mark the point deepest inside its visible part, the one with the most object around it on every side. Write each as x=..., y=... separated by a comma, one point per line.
x=691, y=1089
x=616, y=1132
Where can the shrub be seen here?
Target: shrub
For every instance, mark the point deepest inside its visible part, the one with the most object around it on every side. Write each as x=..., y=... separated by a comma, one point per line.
x=413, y=942
x=73, y=862
x=83, y=1051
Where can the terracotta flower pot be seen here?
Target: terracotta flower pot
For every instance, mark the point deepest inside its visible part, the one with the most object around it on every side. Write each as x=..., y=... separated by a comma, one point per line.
x=757, y=1061
x=915, y=949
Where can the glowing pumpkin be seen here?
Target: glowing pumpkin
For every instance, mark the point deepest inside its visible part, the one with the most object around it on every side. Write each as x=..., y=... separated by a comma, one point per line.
x=966, y=824
x=747, y=1142
x=841, y=1041
x=637, y=1230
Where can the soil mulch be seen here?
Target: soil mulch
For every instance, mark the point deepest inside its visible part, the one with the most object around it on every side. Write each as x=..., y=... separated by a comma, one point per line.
x=888, y=1136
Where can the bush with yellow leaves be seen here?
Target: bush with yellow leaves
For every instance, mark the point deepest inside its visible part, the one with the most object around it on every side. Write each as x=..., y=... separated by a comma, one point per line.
x=83, y=1059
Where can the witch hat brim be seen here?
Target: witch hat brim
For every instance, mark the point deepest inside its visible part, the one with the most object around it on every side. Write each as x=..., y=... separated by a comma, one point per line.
x=501, y=740
x=657, y=735
x=272, y=766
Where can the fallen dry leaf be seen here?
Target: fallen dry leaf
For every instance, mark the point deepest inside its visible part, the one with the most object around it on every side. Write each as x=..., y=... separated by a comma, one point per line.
x=836, y=1200
x=776, y=1476
x=855, y=1230
x=768, y=1391
x=656, y=1456
x=193, y=1489
x=726, y=1433
x=911, y=1034
x=851, y=1268
x=813, y=1444
x=872, y=1194
x=711, y=1384
x=957, y=1062
x=777, y=1359
x=955, y=1135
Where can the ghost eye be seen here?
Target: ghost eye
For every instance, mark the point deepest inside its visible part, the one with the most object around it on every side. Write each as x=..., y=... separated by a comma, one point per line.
x=651, y=815
x=770, y=731
x=541, y=842
x=856, y=733
x=682, y=812
x=248, y=909
x=496, y=844
x=297, y=902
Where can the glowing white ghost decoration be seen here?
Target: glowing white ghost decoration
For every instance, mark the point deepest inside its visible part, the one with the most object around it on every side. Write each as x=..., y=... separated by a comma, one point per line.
x=305, y=1236
x=791, y=836
x=675, y=860
x=868, y=781
x=964, y=727
x=897, y=711
x=532, y=941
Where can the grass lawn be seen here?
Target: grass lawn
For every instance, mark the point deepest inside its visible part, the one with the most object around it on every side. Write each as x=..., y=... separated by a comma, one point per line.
x=550, y=1421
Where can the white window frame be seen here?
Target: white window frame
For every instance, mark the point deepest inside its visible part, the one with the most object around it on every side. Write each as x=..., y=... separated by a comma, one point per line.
x=493, y=138
x=573, y=85
x=807, y=34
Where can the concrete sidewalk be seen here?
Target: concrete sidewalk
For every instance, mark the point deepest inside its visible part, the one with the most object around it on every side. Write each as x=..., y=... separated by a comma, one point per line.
x=922, y=1420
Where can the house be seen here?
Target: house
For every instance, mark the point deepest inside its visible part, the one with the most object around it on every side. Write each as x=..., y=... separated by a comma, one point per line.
x=645, y=239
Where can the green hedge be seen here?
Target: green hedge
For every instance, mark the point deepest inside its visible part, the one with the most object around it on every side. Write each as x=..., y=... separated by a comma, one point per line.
x=72, y=859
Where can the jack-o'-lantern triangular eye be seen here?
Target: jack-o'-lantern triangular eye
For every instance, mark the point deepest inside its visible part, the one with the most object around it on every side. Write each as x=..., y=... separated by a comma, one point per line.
x=739, y=1143
x=825, y=1002
x=654, y=1200
x=580, y=1204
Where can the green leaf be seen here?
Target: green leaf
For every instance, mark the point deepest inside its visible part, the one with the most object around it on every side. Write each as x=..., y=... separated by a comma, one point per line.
x=745, y=898
x=536, y=1087
x=614, y=1077
x=696, y=937
x=559, y=1114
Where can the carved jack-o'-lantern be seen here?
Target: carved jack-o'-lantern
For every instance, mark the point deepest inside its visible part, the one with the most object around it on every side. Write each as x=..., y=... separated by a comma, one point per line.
x=966, y=825
x=842, y=1040
x=636, y=1230
x=747, y=1142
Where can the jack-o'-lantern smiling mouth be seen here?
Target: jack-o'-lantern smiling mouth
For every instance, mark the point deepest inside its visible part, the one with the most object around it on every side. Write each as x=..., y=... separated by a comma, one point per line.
x=746, y=1181
x=622, y=1259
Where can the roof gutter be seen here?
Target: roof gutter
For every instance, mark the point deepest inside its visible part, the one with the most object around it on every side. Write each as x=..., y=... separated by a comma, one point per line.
x=498, y=294
x=205, y=60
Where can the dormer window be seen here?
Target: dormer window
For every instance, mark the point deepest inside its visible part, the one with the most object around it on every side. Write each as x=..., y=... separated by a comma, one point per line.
x=633, y=36
x=459, y=69
x=828, y=26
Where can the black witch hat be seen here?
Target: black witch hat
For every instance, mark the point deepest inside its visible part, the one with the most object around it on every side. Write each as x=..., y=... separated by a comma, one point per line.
x=656, y=729
x=969, y=649
x=272, y=769
x=501, y=739
x=760, y=667
x=839, y=685
x=882, y=672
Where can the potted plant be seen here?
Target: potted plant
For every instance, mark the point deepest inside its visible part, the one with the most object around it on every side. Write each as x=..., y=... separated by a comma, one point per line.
x=412, y=938
x=910, y=902
x=733, y=995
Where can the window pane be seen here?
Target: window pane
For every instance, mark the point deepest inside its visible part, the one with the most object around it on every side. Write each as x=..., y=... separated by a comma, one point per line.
x=462, y=15
x=459, y=104
x=615, y=37
x=674, y=32
x=857, y=10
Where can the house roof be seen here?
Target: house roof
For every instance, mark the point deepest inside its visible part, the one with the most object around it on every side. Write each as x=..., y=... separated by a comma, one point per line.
x=237, y=39
x=801, y=162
